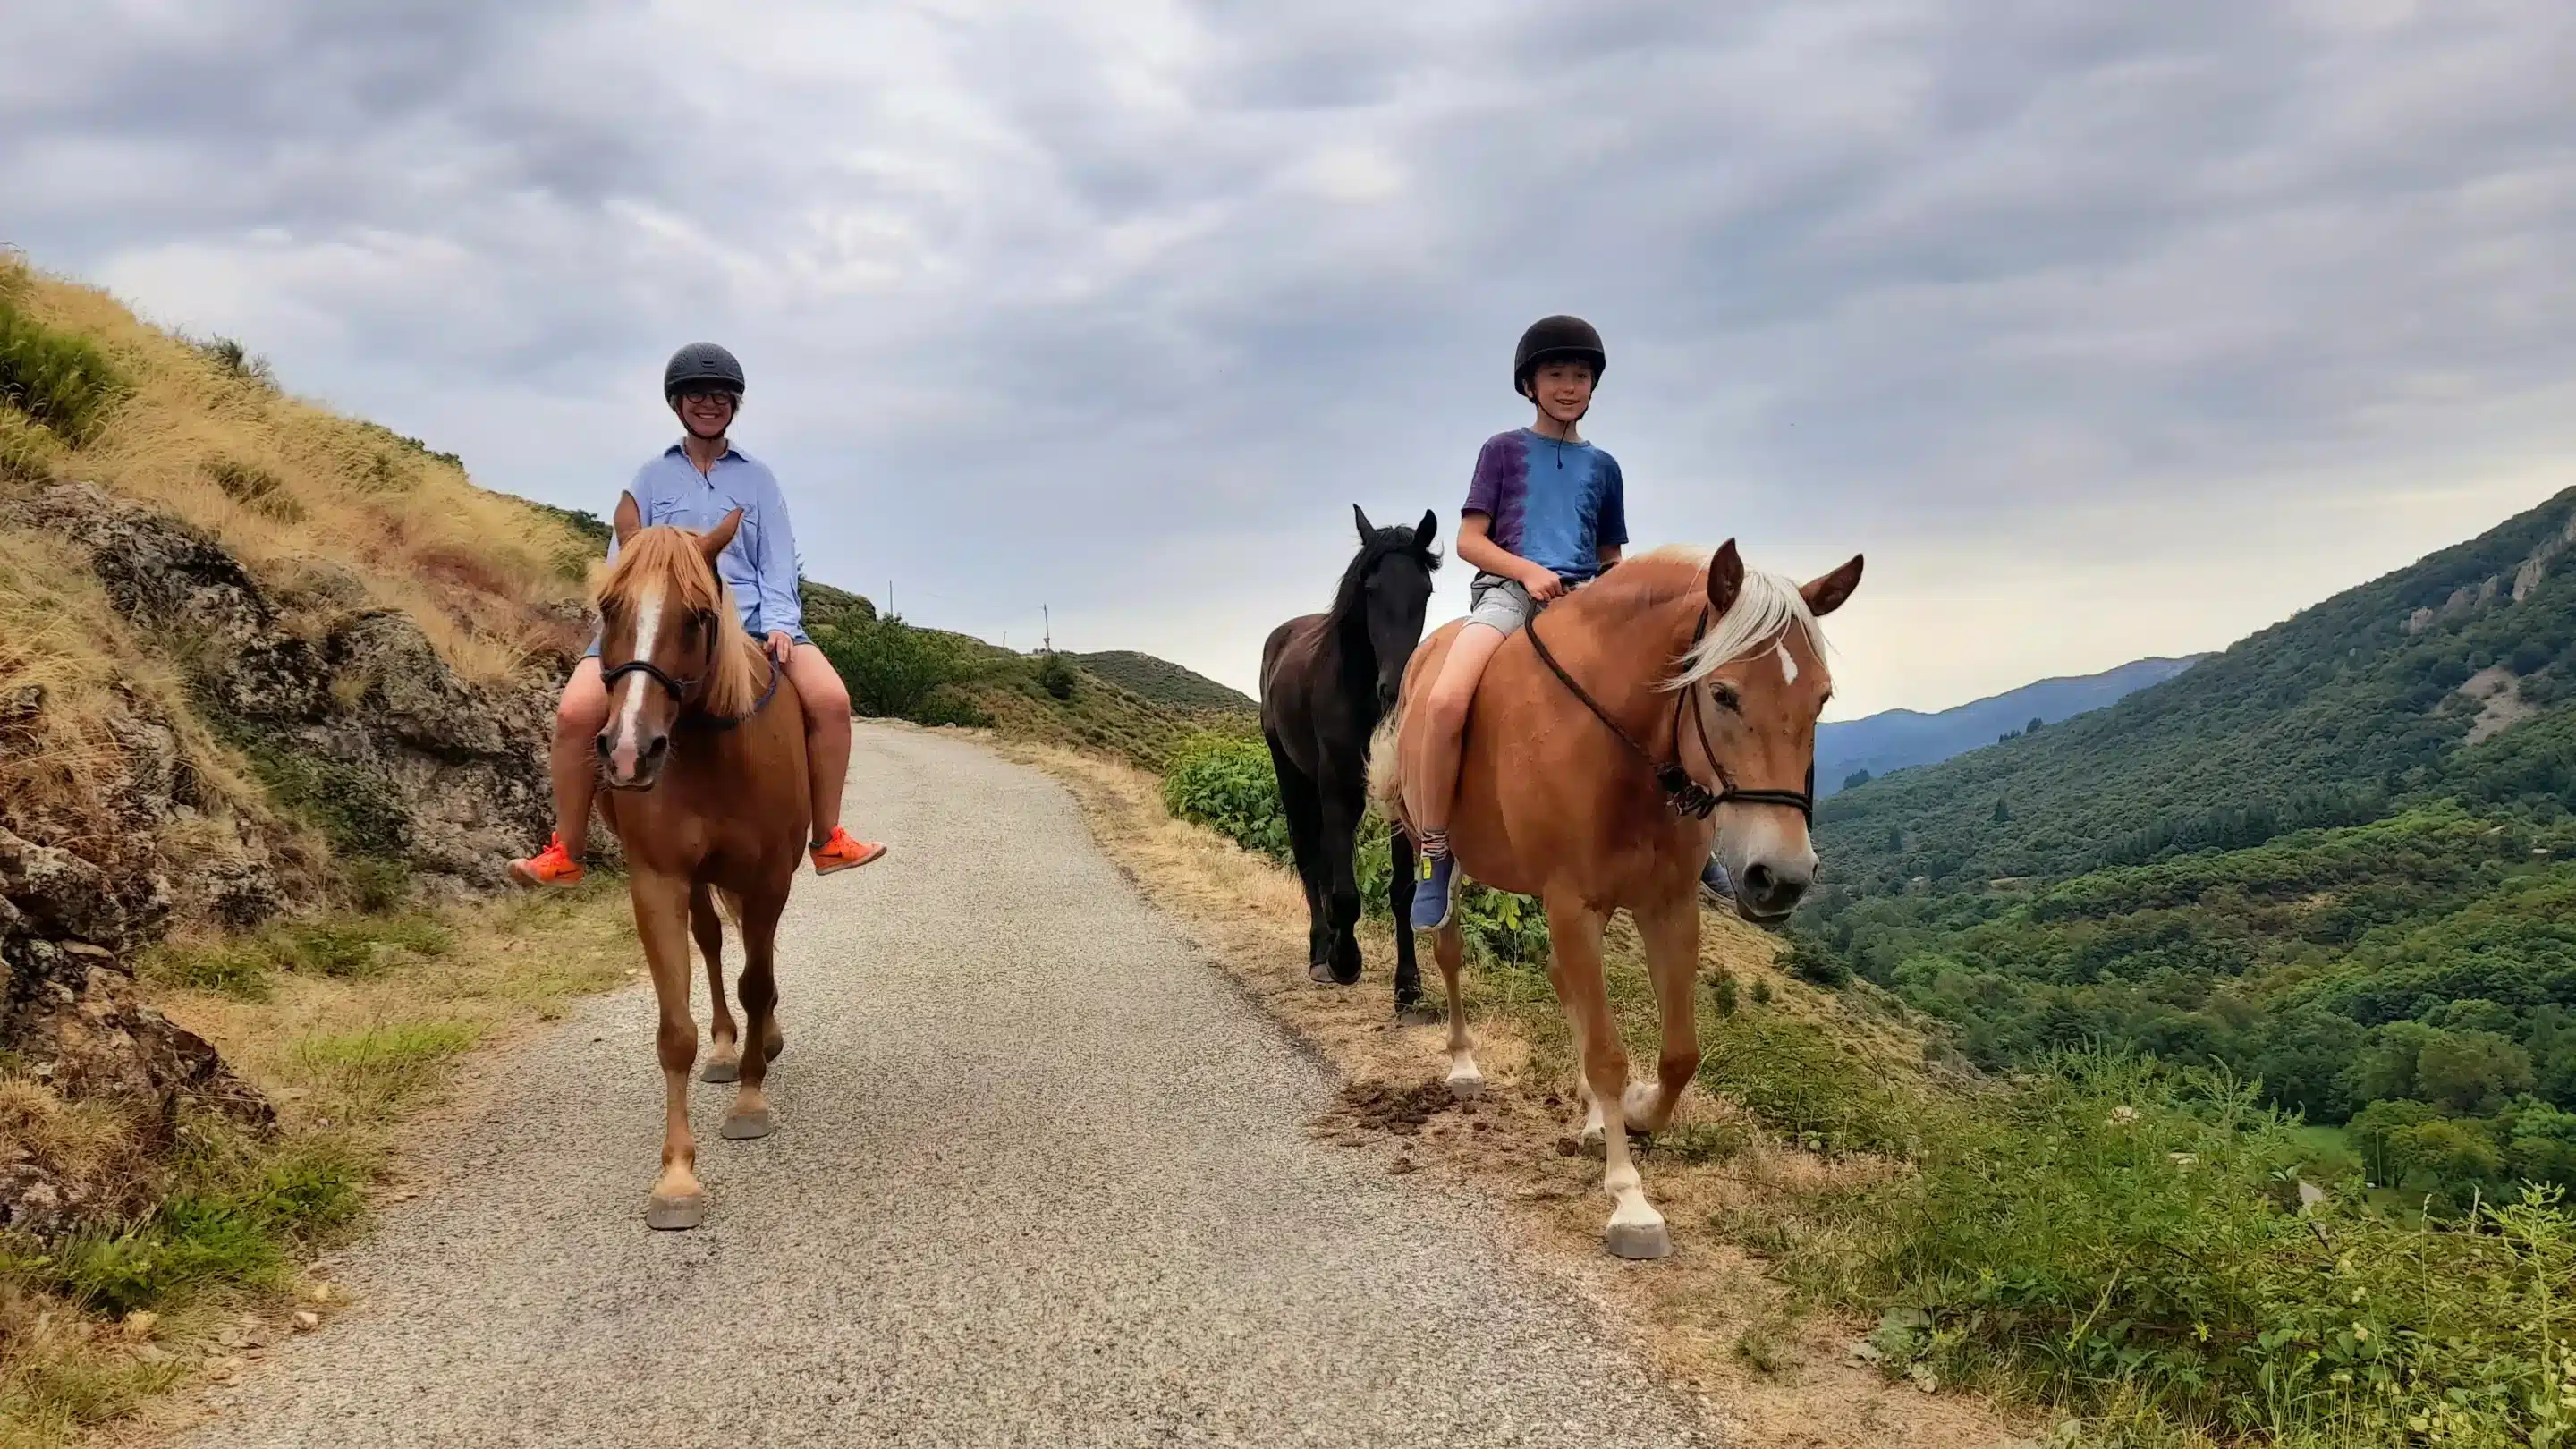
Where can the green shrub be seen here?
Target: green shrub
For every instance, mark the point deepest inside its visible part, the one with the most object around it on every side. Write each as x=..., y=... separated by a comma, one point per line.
x=232, y=1221
x=896, y=671
x=1228, y=784
x=1055, y=677
x=2124, y=1236
x=63, y=381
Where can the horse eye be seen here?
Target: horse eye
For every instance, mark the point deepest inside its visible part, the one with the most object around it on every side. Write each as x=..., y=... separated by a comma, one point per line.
x=1727, y=697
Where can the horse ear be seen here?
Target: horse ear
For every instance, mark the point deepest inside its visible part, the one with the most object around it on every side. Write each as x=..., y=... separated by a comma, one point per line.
x=1725, y=577
x=1427, y=532
x=628, y=518
x=1826, y=594
x=1368, y=533
x=713, y=541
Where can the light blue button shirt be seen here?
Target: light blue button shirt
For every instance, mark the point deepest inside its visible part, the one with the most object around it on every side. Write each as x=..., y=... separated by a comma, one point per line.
x=760, y=564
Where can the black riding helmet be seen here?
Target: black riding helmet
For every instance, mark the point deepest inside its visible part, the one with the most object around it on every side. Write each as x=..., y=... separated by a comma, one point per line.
x=1556, y=339
x=701, y=365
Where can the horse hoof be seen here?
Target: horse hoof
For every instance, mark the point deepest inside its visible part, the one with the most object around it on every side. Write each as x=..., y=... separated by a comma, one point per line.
x=674, y=1214
x=1321, y=974
x=745, y=1126
x=721, y=1070
x=1466, y=1085
x=1416, y=1014
x=1596, y=1144
x=1638, y=1241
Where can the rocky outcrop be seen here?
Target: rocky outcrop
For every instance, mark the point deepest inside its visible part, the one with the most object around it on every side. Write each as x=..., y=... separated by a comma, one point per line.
x=351, y=720
x=352, y=716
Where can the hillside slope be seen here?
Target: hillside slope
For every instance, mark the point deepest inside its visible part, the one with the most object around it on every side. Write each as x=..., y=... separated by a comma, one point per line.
x=1900, y=738
x=2319, y=720
x=1162, y=681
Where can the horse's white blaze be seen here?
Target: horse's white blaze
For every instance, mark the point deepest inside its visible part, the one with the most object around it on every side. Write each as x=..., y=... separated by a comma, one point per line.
x=1788, y=663
x=624, y=750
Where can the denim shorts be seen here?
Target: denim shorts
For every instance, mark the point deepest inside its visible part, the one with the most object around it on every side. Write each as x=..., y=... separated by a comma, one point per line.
x=1500, y=604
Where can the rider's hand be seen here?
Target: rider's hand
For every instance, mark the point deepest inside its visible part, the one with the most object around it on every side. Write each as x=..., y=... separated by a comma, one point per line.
x=780, y=645
x=1543, y=585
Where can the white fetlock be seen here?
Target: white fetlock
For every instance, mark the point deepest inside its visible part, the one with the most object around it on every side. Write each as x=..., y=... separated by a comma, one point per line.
x=1465, y=1082
x=1593, y=1136
x=1637, y=1105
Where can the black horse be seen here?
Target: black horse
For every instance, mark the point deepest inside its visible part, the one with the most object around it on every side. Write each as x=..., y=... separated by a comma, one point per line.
x=1326, y=680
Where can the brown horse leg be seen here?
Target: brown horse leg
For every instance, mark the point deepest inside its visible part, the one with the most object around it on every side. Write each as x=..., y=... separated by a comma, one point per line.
x=1636, y=1230
x=1449, y=948
x=724, y=1044
x=751, y=1116
x=1671, y=932
x=662, y=919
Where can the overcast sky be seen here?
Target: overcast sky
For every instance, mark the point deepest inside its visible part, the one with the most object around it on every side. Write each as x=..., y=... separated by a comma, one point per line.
x=2103, y=334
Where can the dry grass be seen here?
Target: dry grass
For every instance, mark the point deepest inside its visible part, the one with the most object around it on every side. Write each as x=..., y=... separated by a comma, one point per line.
x=478, y=571
x=1709, y=1316
x=363, y=1070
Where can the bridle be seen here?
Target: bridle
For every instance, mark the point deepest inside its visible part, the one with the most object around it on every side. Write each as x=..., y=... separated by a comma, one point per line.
x=680, y=689
x=1687, y=796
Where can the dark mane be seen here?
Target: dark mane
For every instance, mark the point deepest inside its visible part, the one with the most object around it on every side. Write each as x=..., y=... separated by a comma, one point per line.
x=1381, y=543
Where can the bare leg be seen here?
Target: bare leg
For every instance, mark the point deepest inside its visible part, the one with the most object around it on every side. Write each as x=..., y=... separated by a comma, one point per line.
x=1671, y=932
x=724, y=1045
x=827, y=732
x=662, y=919
x=1636, y=1230
x=1449, y=948
x=751, y=1116
x=573, y=762
x=1432, y=783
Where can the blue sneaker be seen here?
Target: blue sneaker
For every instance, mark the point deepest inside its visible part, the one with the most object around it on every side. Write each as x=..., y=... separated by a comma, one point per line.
x=1431, y=883
x=1714, y=883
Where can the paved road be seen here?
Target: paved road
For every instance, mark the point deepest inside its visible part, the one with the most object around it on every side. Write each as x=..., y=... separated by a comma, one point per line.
x=1041, y=1178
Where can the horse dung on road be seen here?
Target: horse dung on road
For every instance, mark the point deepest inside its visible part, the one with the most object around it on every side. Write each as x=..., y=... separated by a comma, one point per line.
x=1604, y=737
x=1326, y=680
x=704, y=757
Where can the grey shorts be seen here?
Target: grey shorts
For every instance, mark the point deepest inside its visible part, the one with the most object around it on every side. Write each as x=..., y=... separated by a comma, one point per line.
x=1499, y=604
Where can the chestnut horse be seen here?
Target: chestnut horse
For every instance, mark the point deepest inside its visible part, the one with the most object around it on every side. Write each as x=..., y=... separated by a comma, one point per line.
x=1601, y=741
x=704, y=757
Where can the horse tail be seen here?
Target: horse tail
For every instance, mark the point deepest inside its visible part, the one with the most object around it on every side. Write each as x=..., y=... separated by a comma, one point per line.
x=731, y=906
x=1385, y=769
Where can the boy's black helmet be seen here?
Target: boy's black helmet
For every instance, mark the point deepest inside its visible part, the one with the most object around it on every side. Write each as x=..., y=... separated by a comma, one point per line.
x=1556, y=339
x=700, y=365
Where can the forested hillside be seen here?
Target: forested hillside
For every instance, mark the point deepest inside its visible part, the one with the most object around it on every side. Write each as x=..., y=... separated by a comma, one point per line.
x=1852, y=752
x=2335, y=857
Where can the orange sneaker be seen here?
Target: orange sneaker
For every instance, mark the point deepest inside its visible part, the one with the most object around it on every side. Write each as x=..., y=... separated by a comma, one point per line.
x=842, y=853
x=552, y=866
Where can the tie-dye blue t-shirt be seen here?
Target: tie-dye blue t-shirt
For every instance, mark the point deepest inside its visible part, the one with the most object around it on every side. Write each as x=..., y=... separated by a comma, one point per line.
x=1556, y=504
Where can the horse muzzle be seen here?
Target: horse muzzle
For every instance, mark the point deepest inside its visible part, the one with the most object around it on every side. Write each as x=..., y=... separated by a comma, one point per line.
x=635, y=762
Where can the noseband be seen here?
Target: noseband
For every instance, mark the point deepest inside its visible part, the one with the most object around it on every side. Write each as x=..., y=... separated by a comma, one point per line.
x=1687, y=796
x=679, y=689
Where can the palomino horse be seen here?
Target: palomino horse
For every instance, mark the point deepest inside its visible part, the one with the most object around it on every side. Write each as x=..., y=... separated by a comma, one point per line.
x=704, y=756
x=1602, y=739
x=1326, y=680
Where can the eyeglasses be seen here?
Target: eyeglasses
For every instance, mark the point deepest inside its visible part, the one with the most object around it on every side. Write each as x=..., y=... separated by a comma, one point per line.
x=711, y=394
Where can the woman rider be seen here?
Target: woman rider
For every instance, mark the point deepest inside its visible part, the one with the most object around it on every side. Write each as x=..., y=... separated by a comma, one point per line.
x=694, y=484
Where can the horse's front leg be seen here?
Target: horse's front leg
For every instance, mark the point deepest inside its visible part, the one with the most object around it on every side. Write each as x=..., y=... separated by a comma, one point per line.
x=1636, y=1230
x=662, y=920
x=1671, y=931
x=724, y=1041
x=751, y=1116
x=1341, y=827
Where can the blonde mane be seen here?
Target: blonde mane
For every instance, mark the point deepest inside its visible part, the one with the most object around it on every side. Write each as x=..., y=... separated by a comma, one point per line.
x=1763, y=614
x=670, y=556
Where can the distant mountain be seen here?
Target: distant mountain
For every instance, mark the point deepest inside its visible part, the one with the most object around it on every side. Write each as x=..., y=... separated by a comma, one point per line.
x=1896, y=738
x=1162, y=681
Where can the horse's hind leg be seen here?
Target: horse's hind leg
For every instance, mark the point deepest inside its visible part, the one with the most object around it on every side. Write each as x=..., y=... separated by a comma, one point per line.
x=724, y=1047
x=751, y=1116
x=662, y=919
x=1449, y=948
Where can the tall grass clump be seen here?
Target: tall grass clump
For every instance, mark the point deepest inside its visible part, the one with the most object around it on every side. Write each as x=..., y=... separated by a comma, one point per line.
x=60, y=379
x=2130, y=1240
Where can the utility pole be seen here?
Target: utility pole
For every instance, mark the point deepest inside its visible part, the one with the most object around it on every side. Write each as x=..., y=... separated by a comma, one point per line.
x=1050, y=627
